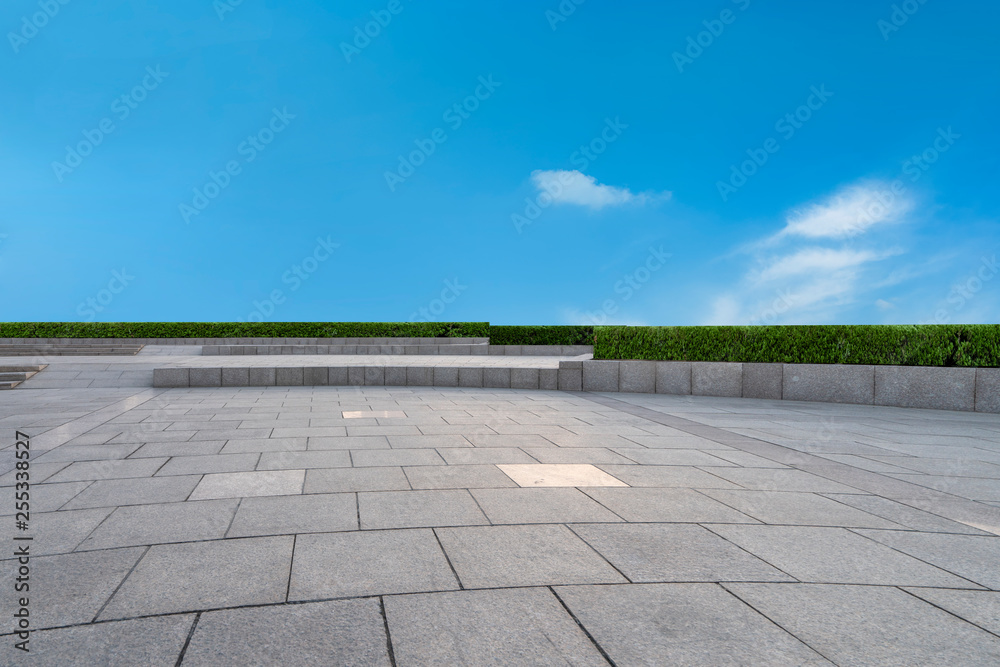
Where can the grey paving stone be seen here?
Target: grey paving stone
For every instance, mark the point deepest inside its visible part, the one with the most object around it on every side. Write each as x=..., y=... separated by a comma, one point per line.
x=552, y=505
x=964, y=487
x=505, y=556
x=284, y=515
x=870, y=625
x=337, y=376
x=248, y=484
x=220, y=573
x=111, y=469
x=675, y=505
x=142, y=525
x=492, y=627
x=575, y=455
x=673, y=377
x=420, y=376
x=414, y=509
x=395, y=457
x=795, y=508
x=524, y=378
x=973, y=557
x=835, y=556
x=470, y=377
x=716, y=379
x=341, y=632
x=235, y=377
x=288, y=377
x=60, y=532
x=205, y=377
x=666, y=476
x=548, y=379
x=829, y=383
x=570, y=379
x=457, y=477
x=671, y=552
x=682, y=624
x=354, y=564
x=769, y=479
x=303, y=460
x=529, y=440
x=154, y=642
x=315, y=376
x=762, y=381
x=334, y=480
x=171, y=377
x=925, y=387
x=686, y=457
x=349, y=442
x=198, y=465
x=468, y=455
x=980, y=608
x=427, y=441
x=637, y=377
x=445, y=376
x=374, y=376
x=244, y=445
x=68, y=453
x=496, y=378
x=138, y=491
x=904, y=515
x=988, y=390
x=67, y=589
x=200, y=448
x=600, y=375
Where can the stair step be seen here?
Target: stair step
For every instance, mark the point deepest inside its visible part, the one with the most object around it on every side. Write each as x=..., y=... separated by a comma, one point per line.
x=14, y=377
x=8, y=385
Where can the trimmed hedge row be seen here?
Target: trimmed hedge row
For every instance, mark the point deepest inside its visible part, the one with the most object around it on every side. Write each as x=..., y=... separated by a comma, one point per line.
x=903, y=345
x=541, y=335
x=244, y=329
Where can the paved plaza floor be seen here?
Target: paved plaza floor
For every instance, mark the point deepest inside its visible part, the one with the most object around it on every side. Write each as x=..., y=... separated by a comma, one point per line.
x=439, y=526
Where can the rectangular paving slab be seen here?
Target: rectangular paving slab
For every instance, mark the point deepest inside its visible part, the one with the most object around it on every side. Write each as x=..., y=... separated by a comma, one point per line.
x=414, y=509
x=551, y=505
x=139, y=491
x=682, y=624
x=973, y=557
x=248, y=484
x=284, y=515
x=222, y=573
x=336, y=565
x=160, y=523
x=674, y=505
x=340, y=480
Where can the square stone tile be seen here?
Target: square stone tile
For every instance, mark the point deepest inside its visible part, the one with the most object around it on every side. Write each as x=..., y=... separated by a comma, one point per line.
x=145, y=641
x=413, y=509
x=221, y=573
x=304, y=460
x=565, y=505
x=560, y=474
x=674, y=552
x=67, y=589
x=364, y=563
x=198, y=465
x=336, y=480
x=141, y=525
x=981, y=608
x=871, y=625
x=835, y=556
x=342, y=632
x=682, y=624
x=494, y=627
x=457, y=477
x=505, y=556
x=139, y=491
x=803, y=509
x=973, y=557
x=284, y=515
x=248, y=484
x=674, y=505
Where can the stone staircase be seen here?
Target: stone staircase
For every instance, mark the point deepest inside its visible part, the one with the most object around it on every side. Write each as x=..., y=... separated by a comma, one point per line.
x=11, y=376
x=67, y=349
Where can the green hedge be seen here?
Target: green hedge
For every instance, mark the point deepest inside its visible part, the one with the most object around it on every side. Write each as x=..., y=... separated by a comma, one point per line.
x=243, y=329
x=541, y=335
x=904, y=345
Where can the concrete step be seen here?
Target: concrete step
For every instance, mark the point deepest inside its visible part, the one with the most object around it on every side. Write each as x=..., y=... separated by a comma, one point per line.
x=8, y=385
x=11, y=376
x=68, y=350
x=421, y=349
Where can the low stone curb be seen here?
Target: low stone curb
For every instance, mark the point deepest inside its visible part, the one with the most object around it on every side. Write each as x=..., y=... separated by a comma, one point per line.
x=969, y=389
x=419, y=349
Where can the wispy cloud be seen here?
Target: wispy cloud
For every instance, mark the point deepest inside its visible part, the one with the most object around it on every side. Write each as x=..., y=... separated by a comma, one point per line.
x=574, y=187
x=789, y=281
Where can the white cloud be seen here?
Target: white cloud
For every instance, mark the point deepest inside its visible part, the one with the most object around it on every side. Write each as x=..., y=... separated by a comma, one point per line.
x=574, y=187
x=810, y=262
x=883, y=304
x=850, y=212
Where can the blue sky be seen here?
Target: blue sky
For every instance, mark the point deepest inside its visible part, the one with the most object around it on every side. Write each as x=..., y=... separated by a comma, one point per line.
x=675, y=163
